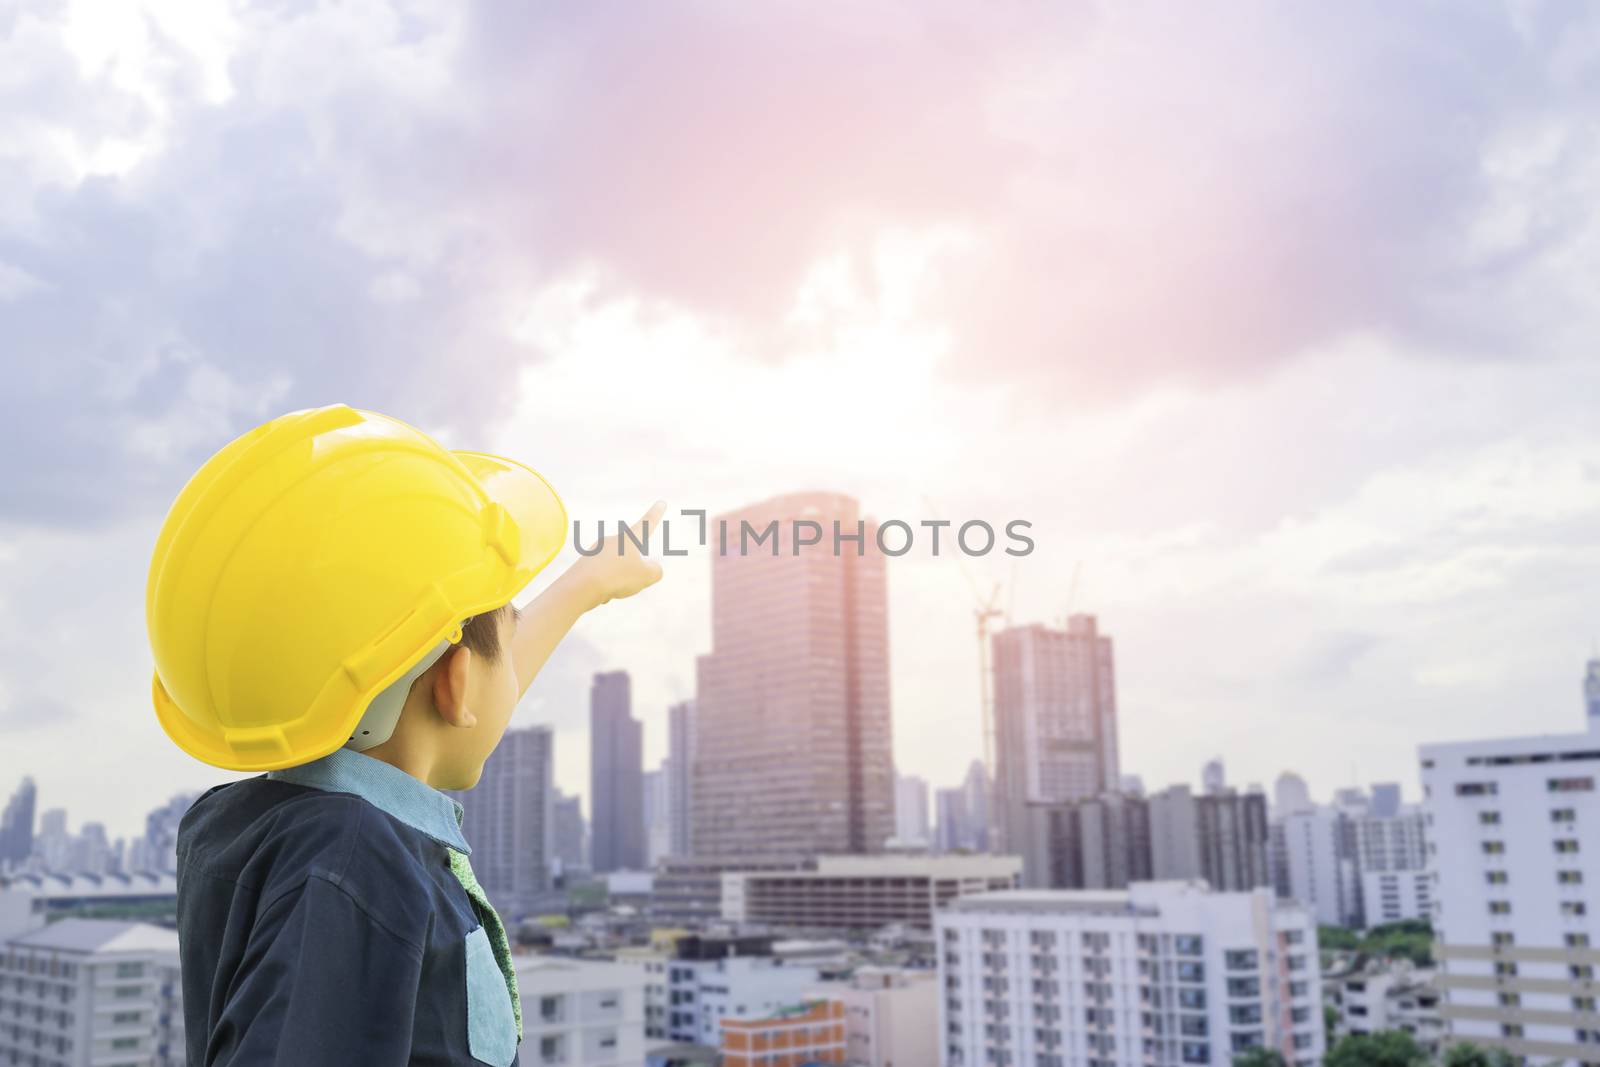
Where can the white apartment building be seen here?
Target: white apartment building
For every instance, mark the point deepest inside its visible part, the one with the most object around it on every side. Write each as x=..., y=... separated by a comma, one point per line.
x=889, y=1016
x=709, y=979
x=1372, y=995
x=1320, y=858
x=91, y=993
x=1391, y=842
x=1515, y=836
x=1158, y=975
x=1393, y=896
x=580, y=1013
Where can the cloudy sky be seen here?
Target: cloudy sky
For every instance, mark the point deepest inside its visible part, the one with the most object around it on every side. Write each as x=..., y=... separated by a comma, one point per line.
x=1277, y=320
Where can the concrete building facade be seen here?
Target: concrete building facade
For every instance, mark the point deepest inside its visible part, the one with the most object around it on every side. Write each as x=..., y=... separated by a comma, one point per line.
x=711, y=980
x=809, y=1032
x=793, y=742
x=1159, y=975
x=92, y=993
x=889, y=1016
x=616, y=776
x=862, y=893
x=580, y=1013
x=1055, y=709
x=679, y=768
x=1514, y=826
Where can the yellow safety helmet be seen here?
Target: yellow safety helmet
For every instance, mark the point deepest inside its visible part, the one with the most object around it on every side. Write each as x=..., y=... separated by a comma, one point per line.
x=318, y=559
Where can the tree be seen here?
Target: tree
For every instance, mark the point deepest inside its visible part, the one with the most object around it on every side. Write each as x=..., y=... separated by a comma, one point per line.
x=1387, y=1048
x=1470, y=1055
x=1260, y=1057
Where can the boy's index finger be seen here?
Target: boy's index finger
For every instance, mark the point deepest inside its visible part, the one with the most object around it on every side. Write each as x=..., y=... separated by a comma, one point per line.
x=653, y=516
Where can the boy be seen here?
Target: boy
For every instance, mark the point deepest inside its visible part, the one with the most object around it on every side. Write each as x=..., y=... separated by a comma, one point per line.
x=330, y=602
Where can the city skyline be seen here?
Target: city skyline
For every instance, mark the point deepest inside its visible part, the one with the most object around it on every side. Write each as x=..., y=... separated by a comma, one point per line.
x=1330, y=481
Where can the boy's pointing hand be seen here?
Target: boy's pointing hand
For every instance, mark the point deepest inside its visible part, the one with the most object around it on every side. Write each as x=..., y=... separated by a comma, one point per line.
x=620, y=569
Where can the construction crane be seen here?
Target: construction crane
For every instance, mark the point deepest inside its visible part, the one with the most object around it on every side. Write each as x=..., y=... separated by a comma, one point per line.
x=983, y=610
x=986, y=607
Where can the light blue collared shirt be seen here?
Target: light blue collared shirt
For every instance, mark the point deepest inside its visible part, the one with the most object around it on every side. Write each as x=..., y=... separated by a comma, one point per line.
x=387, y=788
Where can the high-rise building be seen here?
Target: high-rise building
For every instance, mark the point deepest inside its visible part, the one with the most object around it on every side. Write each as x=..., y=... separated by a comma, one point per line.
x=16, y=825
x=1222, y=838
x=1055, y=714
x=911, y=810
x=157, y=850
x=680, y=776
x=1214, y=776
x=1514, y=827
x=1162, y=974
x=792, y=735
x=616, y=776
x=1290, y=795
x=1324, y=872
x=1102, y=843
x=509, y=820
x=1385, y=800
x=571, y=842
x=978, y=789
x=657, y=813
x=951, y=824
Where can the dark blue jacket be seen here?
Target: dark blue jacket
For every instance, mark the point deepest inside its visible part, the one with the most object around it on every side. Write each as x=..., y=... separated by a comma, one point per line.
x=319, y=924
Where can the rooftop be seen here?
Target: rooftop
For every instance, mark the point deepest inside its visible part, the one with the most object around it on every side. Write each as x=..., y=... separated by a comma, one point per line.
x=100, y=936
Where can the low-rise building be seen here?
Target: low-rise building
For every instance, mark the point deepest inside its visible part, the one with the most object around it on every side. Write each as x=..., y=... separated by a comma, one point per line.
x=84, y=992
x=889, y=1016
x=800, y=1035
x=862, y=893
x=712, y=979
x=1161, y=974
x=580, y=1013
x=688, y=889
x=1368, y=995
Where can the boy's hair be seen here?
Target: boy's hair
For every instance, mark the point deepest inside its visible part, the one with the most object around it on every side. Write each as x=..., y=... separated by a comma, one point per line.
x=481, y=633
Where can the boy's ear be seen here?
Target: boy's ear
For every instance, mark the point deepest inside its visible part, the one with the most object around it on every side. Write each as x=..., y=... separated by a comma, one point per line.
x=450, y=688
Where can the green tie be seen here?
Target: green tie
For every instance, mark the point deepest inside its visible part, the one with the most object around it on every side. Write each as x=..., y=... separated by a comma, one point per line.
x=492, y=926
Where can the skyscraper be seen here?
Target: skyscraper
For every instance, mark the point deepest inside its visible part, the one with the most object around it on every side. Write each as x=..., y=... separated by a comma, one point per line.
x=657, y=813
x=1290, y=795
x=509, y=820
x=571, y=835
x=1056, y=728
x=953, y=824
x=979, y=808
x=680, y=776
x=1214, y=776
x=911, y=810
x=616, y=776
x=16, y=824
x=792, y=732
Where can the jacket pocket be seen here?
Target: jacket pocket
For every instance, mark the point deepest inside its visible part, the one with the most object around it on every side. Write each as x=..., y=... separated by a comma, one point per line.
x=491, y=1026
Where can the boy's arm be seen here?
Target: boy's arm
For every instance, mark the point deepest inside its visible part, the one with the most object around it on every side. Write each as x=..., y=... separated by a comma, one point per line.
x=323, y=984
x=588, y=583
